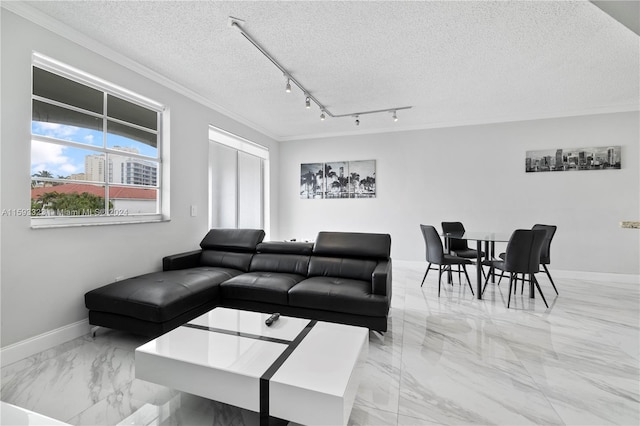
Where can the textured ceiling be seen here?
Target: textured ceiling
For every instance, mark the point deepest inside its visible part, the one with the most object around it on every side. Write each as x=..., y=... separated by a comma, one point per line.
x=456, y=63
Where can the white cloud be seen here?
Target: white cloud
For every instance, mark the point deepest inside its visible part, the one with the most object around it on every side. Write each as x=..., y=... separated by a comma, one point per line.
x=55, y=130
x=50, y=157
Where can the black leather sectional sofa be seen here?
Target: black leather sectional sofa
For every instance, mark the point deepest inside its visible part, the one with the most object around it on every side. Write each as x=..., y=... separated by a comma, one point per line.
x=342, y=277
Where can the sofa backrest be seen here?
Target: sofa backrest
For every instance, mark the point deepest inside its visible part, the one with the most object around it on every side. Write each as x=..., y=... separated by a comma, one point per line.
x=230, y=248
x=236, y=240
x=348, y=254
x=282, y=257
x=353, y=244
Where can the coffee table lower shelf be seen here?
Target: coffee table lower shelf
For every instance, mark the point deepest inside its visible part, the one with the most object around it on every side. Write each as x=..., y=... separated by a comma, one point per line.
x=299, y=370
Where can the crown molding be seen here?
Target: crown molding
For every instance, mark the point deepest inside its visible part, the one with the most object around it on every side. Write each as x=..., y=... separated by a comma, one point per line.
x=39, y=18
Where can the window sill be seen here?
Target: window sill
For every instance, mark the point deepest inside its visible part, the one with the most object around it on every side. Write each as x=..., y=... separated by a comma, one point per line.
x=67, y=222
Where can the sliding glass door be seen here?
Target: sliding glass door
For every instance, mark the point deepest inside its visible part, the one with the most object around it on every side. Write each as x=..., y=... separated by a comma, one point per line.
x=237, y=170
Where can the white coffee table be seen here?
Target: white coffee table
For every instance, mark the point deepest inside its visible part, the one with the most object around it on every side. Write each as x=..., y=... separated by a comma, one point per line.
x=298, y=370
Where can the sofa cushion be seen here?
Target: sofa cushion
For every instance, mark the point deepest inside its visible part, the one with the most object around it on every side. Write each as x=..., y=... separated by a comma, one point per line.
x=353, y=244
x=226, y=259
x=239, y=240
x=159, y=296
x=339, y=295
x=267, y=287
x=284, y=263
x=357, y=269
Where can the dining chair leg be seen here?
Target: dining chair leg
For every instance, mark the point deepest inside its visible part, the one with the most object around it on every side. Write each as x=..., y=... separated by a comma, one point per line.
x=459, y=276
x=510, y=284
x=550, y=279
x=501, y=275
x=486, y=280
x=439, y=278
x=535, y=281
x=522, y=288
x=464, y=268
x=425, y=274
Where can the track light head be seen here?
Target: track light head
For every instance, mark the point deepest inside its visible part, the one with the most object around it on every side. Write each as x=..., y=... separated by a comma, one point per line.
x=322, y=116
x=307, y=103
x=395, y=116
x=357, y=120
x=288, y=87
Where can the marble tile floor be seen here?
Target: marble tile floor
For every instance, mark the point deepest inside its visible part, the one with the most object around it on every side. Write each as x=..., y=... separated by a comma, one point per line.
x=444, y=361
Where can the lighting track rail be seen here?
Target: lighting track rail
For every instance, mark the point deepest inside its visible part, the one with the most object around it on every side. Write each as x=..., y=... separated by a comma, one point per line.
x=236, y=23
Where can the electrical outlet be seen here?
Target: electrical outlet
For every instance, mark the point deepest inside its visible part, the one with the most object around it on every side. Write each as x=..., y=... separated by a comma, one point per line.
x=194, y=211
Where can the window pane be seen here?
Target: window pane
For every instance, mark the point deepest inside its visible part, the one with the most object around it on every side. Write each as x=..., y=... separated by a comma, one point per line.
x=58, y=161
x=62, y=123
x=131, y=113
x=68, y=199
x=52, y=86
x=130, y=139
x=132, y=171
x=125, y=200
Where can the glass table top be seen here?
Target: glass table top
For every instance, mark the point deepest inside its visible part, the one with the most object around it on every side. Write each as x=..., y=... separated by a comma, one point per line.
x=479, y=235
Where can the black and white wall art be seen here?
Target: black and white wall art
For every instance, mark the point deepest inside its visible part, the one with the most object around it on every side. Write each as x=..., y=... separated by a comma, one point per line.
x=362, y=179
x=311, y=180
x=338, y=179
x=572, y=159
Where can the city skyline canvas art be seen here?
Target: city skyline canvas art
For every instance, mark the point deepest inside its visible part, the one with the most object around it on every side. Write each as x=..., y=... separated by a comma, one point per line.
x=573, y=159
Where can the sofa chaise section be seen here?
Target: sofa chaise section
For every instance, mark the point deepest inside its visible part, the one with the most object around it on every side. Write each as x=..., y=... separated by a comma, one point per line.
x=188, y=286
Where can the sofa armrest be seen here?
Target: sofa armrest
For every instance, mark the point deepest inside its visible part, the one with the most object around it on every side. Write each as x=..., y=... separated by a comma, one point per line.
x=381, y=279
x=190, y=259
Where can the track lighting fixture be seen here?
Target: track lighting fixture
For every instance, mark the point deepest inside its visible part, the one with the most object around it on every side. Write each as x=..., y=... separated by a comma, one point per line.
x=238, y=23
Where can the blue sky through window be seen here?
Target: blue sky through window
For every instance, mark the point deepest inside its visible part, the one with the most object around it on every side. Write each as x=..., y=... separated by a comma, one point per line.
x=61, y=160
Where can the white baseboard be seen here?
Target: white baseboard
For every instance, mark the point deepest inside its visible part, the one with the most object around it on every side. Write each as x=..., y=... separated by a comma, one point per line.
x=44, y=341
x=597, y=276
x=580, y=275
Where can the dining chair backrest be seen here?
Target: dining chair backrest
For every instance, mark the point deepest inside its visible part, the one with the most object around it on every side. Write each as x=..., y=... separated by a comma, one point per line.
x=545, y=254
x=455, y=228
x=523, y=251
x=433, y=244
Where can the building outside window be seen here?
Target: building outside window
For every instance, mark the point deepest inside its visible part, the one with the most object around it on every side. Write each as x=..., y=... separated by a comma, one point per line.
x=96, y=150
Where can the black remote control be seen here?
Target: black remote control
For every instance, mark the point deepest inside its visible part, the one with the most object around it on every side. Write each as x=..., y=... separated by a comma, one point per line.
x=273, y=318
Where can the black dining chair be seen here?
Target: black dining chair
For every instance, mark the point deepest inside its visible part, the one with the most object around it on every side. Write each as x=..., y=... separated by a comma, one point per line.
x=457, y=246
x=522, y=256
x=545, y=254
x=436, y=256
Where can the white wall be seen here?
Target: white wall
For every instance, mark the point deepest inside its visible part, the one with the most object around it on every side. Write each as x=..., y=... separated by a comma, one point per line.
x=475, y=174
x=45, y=272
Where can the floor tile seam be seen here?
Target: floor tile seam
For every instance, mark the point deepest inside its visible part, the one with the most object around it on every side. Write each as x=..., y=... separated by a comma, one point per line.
x=400, y=366
x=538, y=385
x=364, y=405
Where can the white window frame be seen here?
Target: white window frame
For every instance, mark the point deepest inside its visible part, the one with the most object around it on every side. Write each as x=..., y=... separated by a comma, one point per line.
x=163, y=132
